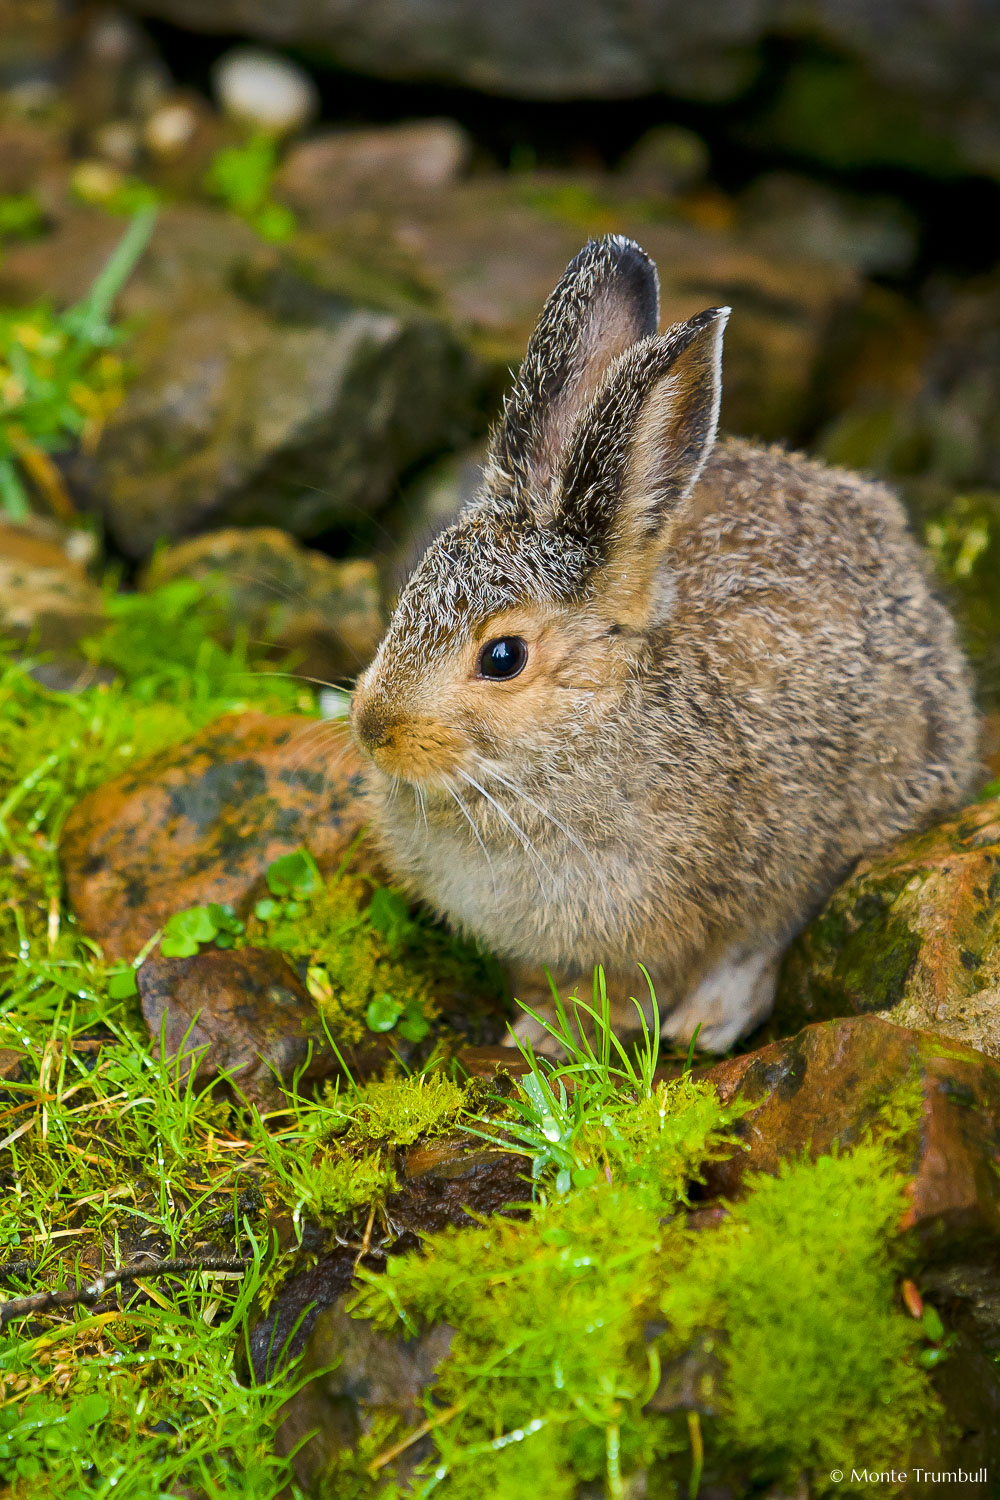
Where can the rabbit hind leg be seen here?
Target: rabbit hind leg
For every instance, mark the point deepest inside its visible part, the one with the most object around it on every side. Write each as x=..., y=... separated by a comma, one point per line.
x=730, y=1000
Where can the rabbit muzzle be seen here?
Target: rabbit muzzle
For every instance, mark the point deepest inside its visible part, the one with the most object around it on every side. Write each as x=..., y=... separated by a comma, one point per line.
x=411, y=749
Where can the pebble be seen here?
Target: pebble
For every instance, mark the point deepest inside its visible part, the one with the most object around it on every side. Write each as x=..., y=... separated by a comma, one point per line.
x=264, y=89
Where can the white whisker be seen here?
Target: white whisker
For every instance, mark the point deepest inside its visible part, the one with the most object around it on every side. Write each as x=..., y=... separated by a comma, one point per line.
x=522, y=837
x=520, y=792
x=478, y=836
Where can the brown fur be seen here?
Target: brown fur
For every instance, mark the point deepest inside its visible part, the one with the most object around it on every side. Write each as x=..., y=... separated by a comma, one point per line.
x=739, y=678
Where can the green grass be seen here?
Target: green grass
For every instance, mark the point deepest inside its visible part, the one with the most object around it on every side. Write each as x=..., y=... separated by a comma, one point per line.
x=60, y=378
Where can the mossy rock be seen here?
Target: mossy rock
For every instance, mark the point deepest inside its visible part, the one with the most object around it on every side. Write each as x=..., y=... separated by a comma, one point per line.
x=913, y=936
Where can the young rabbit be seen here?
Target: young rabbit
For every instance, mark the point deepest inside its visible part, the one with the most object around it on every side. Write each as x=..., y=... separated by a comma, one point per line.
x=651, y=695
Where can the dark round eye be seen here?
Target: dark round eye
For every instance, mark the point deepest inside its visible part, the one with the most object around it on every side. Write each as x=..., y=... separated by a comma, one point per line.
x=504, y=657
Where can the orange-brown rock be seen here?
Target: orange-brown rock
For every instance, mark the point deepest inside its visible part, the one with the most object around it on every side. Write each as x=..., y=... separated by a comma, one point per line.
x=202, y=822
x=826, y=1087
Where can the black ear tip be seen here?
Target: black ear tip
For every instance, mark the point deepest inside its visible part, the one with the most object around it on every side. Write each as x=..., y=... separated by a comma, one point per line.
x=712, y=317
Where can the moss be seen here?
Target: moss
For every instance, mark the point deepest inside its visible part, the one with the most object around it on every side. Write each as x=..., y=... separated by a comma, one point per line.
x=856, y=956
x=799, y=1282
x=876, y=126
x=566, y=1325
x=333, y=1185
x=370, y=964
x=401, y=1109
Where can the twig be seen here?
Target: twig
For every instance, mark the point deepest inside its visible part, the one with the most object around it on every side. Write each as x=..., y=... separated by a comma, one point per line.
x=40, y=1302
x=9, y=1269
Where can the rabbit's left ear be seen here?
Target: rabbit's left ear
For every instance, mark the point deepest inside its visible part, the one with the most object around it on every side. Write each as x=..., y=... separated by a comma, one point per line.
x=643, y=441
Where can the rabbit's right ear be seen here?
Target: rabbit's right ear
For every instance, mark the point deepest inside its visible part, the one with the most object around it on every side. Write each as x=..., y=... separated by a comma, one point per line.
x=608, y=299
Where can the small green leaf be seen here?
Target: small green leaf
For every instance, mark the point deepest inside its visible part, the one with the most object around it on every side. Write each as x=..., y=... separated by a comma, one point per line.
x=383, y=1013
x=195, y=923
x=414, y=1025
x=179, y=947
x=932, y=1325
x=225, y=918
x=266, y=909
x=293, y=873
x=122, y=983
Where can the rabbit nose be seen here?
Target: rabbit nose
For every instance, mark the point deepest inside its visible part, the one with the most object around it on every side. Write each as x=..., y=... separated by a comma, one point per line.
x=371, y=727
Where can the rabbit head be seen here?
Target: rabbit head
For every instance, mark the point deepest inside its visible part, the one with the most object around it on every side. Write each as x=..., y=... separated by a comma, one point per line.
x=530, y=610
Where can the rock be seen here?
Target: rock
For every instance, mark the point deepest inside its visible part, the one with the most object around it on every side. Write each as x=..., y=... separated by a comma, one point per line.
x=388, y=163
x=327, y=613
x=258, y=395
x=202, y=822
x=34, y=35
x=908, y=81
x=47, y=600
x=116, y=73
x=912, y=936
x=491, y=248
x=264, y=90
x=427, y=507
x=934, y=409
x=359, y=1377
x=250, y=1013
x=795, y=215
x=826, y=1086
x=30, y=150
x=442, y=1183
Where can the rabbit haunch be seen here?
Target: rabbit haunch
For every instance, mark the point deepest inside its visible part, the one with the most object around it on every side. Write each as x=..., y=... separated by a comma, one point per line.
x=738, y=678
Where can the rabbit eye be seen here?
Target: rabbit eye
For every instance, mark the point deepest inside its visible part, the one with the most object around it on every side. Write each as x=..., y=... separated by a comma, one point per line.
x=503, y=658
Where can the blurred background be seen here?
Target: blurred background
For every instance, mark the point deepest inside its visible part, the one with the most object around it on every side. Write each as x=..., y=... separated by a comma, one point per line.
x=360, y=207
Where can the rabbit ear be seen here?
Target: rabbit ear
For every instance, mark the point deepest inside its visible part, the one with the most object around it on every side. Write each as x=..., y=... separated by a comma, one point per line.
x=643, y=441
x=607, y=299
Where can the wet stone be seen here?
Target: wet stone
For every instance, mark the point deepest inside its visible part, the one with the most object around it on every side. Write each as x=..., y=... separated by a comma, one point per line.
x=442, y=1183
x=244, y=1013
x=327, y=614
x=374, y=1375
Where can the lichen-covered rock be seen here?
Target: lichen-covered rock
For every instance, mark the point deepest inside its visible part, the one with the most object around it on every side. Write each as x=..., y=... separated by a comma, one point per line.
x=908, y=82
x=340, y=169
x=795, y=215
x=202, y=822
x=913, y=935
x=275, y=590
x=302, y=407
x=488, y=250
x=824, y=1088
x=921, y=393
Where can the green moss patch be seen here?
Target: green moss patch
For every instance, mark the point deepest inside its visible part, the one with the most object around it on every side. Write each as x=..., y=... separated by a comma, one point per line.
x=608, y=1334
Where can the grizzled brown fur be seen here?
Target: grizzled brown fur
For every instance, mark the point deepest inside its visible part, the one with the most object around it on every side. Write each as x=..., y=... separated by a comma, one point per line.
x=738, y=676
